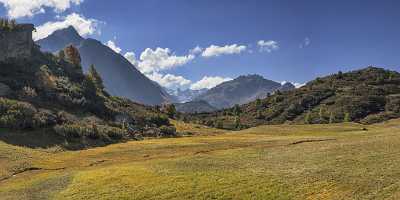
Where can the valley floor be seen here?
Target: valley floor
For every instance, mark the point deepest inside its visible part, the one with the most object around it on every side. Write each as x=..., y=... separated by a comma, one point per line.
x=340, y=161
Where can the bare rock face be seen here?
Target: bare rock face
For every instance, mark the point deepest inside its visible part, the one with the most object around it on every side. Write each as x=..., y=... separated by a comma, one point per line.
x=16, y=43
x=4, y=90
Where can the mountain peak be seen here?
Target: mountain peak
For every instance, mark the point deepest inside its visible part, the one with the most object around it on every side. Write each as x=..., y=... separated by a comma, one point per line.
x=69, y=32
x=60, y=38
x=241, y=90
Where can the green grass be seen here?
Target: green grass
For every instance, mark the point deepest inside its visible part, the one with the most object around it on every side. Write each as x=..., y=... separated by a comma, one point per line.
x=267, y=162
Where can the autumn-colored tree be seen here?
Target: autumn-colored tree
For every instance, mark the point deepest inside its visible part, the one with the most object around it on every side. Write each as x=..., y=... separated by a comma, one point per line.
x=72, y=55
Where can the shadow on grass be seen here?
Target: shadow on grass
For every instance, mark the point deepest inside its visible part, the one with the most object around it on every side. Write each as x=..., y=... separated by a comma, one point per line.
x=46, y=138
x=31, y=139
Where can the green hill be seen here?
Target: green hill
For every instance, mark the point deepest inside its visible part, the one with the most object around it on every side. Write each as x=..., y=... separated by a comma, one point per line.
x=369, y=95
x=52, y=94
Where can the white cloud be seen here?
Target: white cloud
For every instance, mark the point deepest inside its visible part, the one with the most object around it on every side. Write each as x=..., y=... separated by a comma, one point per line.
x=208, y=82
x=305, y=42
x=113, y=46
x=29, y=8
x=161, y=59
x=214, y=50
x=196, y=50
x=169, y=80
x=131, y=57
x=83, y=25
x=267, y=46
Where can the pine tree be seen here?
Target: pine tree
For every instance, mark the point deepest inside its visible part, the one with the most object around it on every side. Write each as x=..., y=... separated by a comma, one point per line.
x=220, y=124
x=307, y=119
x=237, y=110
x=258, y=103
x=331, y=118
x=2, y=21
x=95, y=77
x=61, y=54
x=321, y=114
x=260, y=114
x=13, y=24
x=346, y=117
x=340, y=75
x=237, y=123
x=170, y=110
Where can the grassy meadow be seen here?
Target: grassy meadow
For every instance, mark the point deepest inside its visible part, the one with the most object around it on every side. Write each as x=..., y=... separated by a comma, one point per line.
x=338, y=161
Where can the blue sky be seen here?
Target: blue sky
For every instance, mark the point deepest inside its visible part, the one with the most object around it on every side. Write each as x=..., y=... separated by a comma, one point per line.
x=302, y=39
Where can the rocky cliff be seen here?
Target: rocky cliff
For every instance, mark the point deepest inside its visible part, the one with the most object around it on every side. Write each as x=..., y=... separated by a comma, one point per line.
x=16, y=42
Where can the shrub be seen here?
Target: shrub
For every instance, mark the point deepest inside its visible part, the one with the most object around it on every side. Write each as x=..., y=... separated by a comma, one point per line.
x=28, y=93
x=93, y=131
x=16, y=114
x=158, y=120
x=380, y=117
x=44, y=118
x=168, y=130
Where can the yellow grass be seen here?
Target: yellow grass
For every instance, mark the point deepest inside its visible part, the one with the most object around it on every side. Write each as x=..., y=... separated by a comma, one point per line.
x=340, y=161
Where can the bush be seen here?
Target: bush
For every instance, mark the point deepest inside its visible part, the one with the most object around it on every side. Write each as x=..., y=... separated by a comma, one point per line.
x=16, y=114
x=168, y=130
x=158, y=120
x=380, y=117
x=44, y=118
x=93, y=131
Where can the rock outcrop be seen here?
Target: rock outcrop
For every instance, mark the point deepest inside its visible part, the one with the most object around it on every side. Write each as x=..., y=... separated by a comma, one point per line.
x=4, y=90
x=16, y=43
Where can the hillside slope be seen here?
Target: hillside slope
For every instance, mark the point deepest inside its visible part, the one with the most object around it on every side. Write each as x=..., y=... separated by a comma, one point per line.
x=241, y=90
x=51, y=94
x=369, y=95
x=120, y=77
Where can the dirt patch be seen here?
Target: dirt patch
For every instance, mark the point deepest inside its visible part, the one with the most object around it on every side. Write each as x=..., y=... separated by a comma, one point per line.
x=29, y=169
x=98, y=162
x=311, y=140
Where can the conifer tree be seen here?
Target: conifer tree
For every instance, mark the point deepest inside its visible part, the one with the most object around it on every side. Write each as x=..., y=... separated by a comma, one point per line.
x=346, y=117
x=95, y=77
x=61, y=54
x=307, y=119
x=331, y=118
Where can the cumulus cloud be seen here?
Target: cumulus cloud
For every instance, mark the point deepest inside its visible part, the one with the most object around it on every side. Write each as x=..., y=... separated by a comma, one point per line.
x=208, y=82
x=267, y=46
x=113, y=46
x=169, y=80
x=161, y=59
x=84, y=26
x=29, y=8
x=152, y=62
x=305, y=43
x=214, y=50
x=196, y=50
